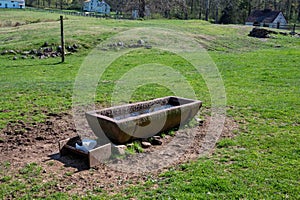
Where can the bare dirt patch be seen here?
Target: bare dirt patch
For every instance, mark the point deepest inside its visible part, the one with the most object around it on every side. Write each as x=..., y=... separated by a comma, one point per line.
x=23, y=143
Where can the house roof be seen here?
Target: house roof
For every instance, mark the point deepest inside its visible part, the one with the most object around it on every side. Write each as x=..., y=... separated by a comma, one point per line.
x=101, y=2
x=266, y=16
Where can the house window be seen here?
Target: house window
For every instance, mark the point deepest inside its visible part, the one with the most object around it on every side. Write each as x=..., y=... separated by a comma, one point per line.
x=13, y=5
x=0, y=4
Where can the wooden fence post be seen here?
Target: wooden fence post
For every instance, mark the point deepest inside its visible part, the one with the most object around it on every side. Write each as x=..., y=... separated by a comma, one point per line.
x=62, y=39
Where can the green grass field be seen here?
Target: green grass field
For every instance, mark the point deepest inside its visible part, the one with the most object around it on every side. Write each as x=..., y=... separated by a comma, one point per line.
x=262, y=83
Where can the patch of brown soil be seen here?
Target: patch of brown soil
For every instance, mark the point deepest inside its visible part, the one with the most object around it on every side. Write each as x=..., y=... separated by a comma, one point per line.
x=16, y=136
x=26, y=143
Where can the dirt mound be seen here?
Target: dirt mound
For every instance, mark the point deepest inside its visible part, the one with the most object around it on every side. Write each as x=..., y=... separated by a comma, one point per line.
x=24, y=143
x=261, y=33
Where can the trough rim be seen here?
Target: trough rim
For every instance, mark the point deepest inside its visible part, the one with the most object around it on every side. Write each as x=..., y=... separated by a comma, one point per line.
x=95, y=112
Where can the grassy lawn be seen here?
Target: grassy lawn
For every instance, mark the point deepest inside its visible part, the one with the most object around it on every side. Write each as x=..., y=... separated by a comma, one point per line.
x=262, y=86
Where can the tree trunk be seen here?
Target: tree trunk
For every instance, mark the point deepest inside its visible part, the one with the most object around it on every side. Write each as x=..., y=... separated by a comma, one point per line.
x=217, y=13
x=249, y=7
x=200, y=10
x=142, y=5
x=299, y=10
x=275, y=4
x=206, y=10
x=192, y=7
x=288, y=9
x=267, y=5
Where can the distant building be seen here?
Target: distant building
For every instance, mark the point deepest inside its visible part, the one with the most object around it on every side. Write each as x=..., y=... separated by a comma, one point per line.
x=267, y=18
x=12, y=4
x=96, y=6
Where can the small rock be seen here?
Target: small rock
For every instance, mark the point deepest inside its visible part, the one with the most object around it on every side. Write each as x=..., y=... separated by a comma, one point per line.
x=133, y=46
x=141, y=42
x=53, y=55
x=75, y=46
x=12, y=52
x=46, y=44
x=157, y=137
x=59, y=49
x=32, y=57
x=146, y=144
x=33, y=51
x=118, y=149
x=199, y=121
x=42, y=56
x=15, y=58
x=121, y=44
x=48, y=50
x=24, y=57
x=39, y=53
x=277, y=46
x=4, y=52
x=25, y=53
x=156, y=142
x=130, y=145
x=148, y=47
x=69, y=48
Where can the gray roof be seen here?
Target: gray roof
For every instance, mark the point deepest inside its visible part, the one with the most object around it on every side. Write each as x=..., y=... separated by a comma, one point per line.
x=265, y=16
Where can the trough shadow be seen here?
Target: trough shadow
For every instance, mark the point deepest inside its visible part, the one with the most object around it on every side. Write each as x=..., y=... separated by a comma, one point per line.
x=71, y=160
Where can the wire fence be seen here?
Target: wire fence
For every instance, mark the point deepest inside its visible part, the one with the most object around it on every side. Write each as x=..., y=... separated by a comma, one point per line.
x=84, y=14
x=291, y=27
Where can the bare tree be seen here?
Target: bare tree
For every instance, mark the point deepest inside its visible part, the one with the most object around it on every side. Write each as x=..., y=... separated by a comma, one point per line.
x=298, y=18
x=142, y=8
x=217, y=3
x=207, y=10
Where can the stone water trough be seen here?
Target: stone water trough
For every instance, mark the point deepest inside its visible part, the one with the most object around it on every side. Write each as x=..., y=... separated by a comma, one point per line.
x=121, y=124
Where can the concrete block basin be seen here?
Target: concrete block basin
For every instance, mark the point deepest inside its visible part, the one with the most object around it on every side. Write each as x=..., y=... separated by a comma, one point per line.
x=121, y=124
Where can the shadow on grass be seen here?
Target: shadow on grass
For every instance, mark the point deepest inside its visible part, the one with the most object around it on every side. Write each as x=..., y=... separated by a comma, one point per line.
x=35, y=64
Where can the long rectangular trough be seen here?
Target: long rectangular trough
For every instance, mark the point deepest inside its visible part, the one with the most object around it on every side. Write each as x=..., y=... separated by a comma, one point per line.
x=121, y=124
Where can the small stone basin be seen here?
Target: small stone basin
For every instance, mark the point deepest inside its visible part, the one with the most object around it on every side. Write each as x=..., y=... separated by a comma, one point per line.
x=121, y=124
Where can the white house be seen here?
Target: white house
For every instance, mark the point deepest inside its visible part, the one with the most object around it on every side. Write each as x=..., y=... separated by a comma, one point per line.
x=12, y=3
x=267, y=18
x=96, y=6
